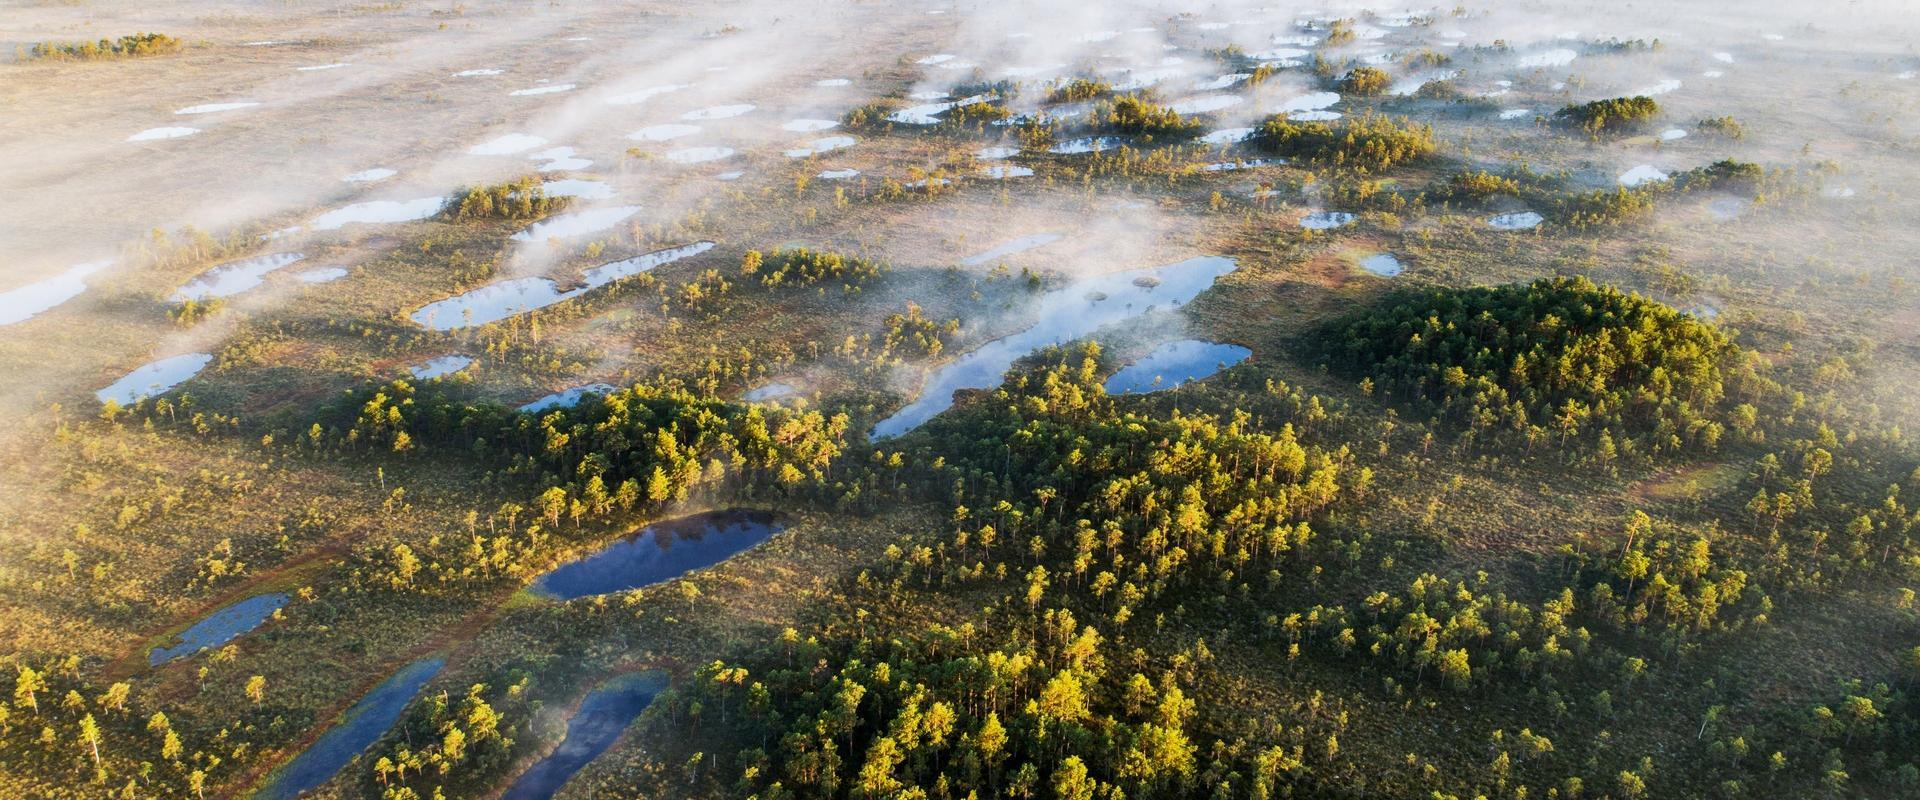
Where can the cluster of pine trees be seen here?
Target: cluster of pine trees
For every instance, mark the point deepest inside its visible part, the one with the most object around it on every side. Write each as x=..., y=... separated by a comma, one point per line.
x=1136, y=115
x=1610, y=116
x=133, y=46
x=1079, y=90
x=1364, y=82
x=1554, y=361
x=799, y=266
x=1090, y=518
x=522, y=199
x=1370, y=142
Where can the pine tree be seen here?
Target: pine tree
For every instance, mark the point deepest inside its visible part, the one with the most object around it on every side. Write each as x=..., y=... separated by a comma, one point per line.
x=26, y=688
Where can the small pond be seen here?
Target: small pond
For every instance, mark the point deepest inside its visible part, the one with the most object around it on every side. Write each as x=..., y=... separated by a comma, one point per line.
x=19, y=305
x=660, y=552
x=155, y=378
x=567, y=398
x=364, y=724
x=1517, y=221
x=502, y=299
x=1175, y=363
x=602, y=718
x=1382, y=264
x=440, y=367
x=1091, y=144
x=771, y=391
x=378, y=212
x=234, y=277
x=218, y=628
x=1326, y=220
x=576, y=224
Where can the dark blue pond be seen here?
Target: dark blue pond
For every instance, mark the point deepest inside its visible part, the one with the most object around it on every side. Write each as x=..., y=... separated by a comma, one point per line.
x=365, y=723
x=602, y=717
x=220, y=627
x=1175, y=363
x=660, y=552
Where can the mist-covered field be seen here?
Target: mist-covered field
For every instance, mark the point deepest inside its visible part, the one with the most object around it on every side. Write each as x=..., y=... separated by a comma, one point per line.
x=942, y=400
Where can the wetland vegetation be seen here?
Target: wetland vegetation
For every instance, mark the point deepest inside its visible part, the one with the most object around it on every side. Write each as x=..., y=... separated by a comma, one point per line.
x=1237, y=402
x=136, y=45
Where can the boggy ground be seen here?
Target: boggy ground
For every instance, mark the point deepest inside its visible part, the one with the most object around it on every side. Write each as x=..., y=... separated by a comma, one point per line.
x=144, y=513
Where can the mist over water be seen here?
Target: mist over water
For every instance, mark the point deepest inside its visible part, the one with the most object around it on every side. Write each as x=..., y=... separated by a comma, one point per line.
x=439, y=108
x=291, y=317
x=1060, y=316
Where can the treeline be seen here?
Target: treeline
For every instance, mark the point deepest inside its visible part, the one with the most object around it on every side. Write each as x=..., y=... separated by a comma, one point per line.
x=1084, y=523
x=458, y=741
x=134, y=46
x=1040, y=708
x=1628, y=204
x=1617, y=205
x=1728, y=175
x=1621, y=602
x=1477, y=185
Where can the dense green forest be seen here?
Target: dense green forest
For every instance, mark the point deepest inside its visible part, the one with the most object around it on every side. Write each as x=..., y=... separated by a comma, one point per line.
x=1558, y=361
x=1081, y=526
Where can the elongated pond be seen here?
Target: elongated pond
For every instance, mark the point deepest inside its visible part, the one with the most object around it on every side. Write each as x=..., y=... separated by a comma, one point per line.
x=1063, y=315
x=1174, y=363
x=378, y=212
x=17, y=305
x=1517, y=221
x=234, y=277
x=577, y=224
x=602, y=718
x=219, y=627
x=440, y=367
x=660, y=552
x=567, y=398
x=497, y=301
x=155, y=378
x=1005, y=249
x=364, y=723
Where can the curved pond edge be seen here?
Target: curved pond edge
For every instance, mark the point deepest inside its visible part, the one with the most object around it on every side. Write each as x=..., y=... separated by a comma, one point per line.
x=364, y=723
x=658, y=552
x=597, y=724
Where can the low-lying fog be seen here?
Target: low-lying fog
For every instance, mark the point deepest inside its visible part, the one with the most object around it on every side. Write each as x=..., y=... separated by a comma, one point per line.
x=319, y=124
